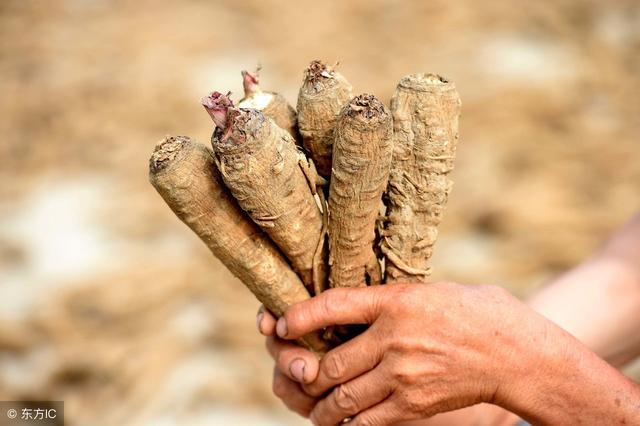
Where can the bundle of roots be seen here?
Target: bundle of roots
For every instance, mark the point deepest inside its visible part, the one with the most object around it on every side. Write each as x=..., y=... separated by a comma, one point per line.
x=345, y=192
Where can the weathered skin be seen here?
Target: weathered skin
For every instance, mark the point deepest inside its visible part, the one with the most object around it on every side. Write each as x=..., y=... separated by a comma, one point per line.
x=361, y=161
x=272, y=104
x=184, y=174
x=425, y=109
x=323, y=93
x=265, y=172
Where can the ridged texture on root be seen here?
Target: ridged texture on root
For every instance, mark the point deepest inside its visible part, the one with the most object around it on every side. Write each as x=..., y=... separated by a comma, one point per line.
x=323, y=93
x=260, y=164
x=361, y=161
x=425, y=109
x=184, y=174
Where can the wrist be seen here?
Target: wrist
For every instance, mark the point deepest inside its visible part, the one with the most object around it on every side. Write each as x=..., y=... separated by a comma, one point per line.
x=556, y=380
x=539, y=358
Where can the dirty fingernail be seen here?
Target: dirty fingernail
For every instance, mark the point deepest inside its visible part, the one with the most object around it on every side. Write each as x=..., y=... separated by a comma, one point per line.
x=297, y=369
x=281, y=327
x=259, y=321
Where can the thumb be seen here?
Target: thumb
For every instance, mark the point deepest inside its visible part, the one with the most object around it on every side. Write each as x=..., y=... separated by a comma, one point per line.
x=332, y=307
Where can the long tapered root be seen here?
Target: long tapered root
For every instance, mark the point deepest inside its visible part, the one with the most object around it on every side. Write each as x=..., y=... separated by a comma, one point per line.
x=184, y=174
x=425, y=109
x=259, y=163
x=361, y=161
x=322, y=96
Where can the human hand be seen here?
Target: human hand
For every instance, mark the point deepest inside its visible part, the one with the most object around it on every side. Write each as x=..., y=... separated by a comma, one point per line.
x=294, y=366
x=429, y=349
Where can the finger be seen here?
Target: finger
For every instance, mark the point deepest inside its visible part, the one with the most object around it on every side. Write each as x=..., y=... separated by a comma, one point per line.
x=388, y=412
x=351, y=398
x=291, y=394
x=266, y=322
x=351, y=359
x=296, y=363
x=334, y=306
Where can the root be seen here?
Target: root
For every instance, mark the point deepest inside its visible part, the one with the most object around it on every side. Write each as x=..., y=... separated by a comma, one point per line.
x=184, y=174
x=259, y=163
x=323, y=93
x=362, y=157
x=425, y=110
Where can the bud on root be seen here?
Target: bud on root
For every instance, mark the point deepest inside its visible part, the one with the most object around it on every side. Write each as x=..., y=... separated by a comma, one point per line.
x=272, y=104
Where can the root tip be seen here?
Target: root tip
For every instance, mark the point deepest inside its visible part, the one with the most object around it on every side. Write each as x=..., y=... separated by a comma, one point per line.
x=166, y=151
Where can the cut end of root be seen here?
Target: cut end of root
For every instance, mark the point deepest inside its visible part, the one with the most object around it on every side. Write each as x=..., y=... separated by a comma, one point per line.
x=317, y=75
x=166, y=151
x=424, y=81
x=365, y=106
x=251, y=83
x=217, y=105
x=240, y=122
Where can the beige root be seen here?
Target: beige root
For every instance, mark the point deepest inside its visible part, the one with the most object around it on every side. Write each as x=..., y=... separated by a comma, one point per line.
x=425, y=109
x=272, y=104
x=275, y=185
x=323, y=93
x=185, y=175
x=361, y=161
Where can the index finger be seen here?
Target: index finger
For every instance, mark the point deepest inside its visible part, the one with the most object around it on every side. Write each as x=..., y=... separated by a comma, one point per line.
x=332, y=307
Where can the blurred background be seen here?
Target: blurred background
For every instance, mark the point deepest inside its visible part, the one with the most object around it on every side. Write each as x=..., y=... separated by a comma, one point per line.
x=109, y=303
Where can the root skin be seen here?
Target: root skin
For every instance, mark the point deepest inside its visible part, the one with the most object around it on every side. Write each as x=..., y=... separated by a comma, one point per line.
x=272, y=104
x=184, y=174
x=361, y=161
x=260, y=165
x=323, y=93
x=425, y=109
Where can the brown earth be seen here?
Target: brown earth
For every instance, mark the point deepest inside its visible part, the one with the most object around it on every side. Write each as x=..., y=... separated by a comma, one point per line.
x=108, y=302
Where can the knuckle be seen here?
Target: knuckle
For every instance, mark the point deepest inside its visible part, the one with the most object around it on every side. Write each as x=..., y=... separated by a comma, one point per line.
x=402, y=346
x=329, y=302
x=411, y=402
x=404, y=374
x=313, y=389
x=345, y=400
x=334, y=366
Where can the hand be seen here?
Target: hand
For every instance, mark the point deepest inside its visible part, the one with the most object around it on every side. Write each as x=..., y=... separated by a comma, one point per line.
x=429, y=349
x=294, y=366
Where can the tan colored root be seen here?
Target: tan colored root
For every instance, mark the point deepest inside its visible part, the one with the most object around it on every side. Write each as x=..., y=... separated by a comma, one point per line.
x=184, y=173
x=425, y=110
x=361, y=161
x=261, y=166
x=284, y=116
x=323, y=93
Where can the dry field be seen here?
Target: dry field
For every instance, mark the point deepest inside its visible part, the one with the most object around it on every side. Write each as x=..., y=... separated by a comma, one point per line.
x=111, y=304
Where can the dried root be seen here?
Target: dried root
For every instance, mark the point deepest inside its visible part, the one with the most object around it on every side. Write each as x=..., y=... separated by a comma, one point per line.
x=272, y=104
x=323, y=93
x=425, y=110
x=264, y=171
x=185, y=175
x=361, y=161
